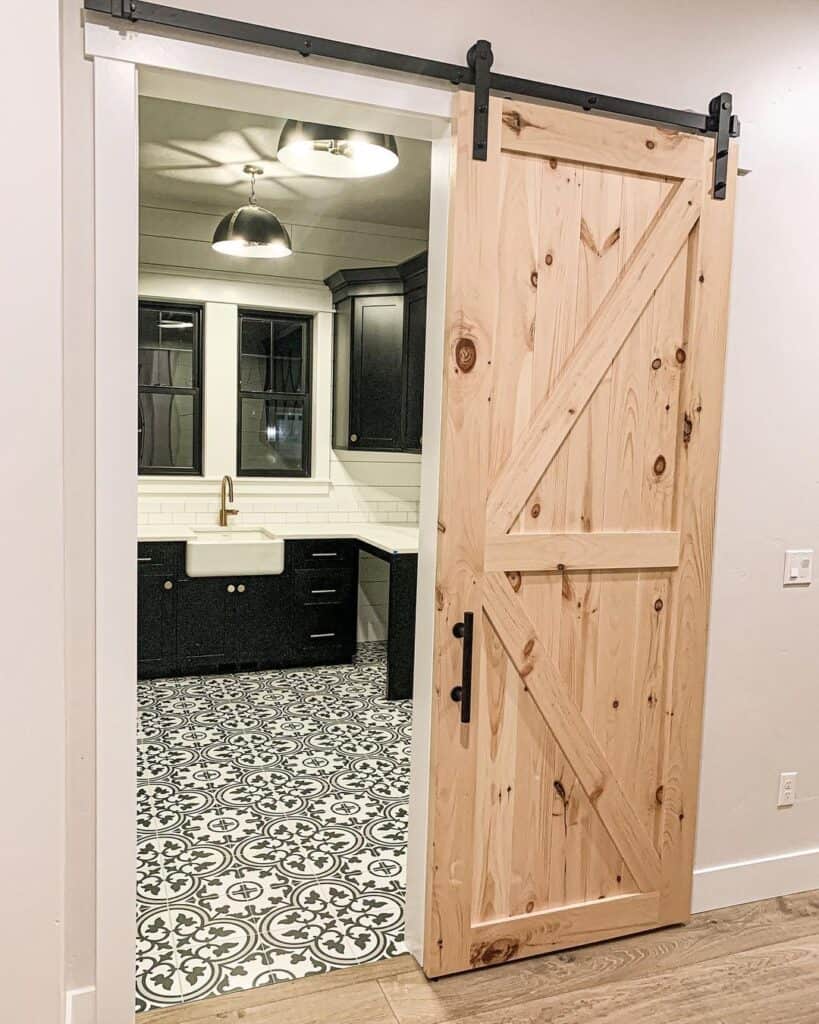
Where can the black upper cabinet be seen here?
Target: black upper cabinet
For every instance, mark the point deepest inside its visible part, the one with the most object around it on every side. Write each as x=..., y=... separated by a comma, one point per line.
x=379, y=356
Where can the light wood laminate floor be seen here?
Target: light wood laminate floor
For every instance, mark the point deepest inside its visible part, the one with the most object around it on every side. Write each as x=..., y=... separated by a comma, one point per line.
x=752, y=964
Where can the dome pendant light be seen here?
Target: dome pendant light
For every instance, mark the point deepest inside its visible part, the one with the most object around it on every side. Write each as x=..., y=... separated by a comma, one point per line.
x=330, y=152
x=251, y=230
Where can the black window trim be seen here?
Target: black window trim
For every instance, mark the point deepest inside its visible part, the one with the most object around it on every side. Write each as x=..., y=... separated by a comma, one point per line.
x=195, y=391
x=306, y=395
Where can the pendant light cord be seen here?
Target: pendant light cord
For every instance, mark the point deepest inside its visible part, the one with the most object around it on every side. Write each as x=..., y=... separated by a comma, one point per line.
x=252, y=188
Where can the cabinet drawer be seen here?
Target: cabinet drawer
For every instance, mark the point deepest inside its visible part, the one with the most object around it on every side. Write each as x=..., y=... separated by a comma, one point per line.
x=326, y=628
x=321, y=554
x=324, y=587
x=155, y=559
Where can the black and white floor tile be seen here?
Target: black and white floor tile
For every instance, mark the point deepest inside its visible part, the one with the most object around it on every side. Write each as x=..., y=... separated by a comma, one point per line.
x=272, y=812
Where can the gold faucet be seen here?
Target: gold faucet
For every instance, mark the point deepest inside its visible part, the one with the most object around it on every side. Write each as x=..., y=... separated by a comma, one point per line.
x=227, y=495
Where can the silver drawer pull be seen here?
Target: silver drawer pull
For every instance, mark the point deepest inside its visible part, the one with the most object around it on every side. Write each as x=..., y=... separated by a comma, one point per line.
x=323, y=591
x=320, y=636
x=144, y=558
x=325, y=554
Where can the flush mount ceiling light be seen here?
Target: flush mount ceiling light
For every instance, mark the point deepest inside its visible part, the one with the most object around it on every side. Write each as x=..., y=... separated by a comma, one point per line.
x=251, y=230
x=330, y=152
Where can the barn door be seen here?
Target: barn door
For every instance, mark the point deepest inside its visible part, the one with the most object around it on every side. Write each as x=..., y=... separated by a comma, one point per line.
x=588, y=283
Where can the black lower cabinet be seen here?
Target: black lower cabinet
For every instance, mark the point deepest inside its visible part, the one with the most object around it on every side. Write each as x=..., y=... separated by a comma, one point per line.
x=156, y=609
x=199, y=625
x=304, y=616
x=204, y=625
x=262, y=610
x=156, y=614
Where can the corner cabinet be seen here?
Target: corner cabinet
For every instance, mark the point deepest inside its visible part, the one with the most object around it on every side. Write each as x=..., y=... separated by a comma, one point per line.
x=378, y=369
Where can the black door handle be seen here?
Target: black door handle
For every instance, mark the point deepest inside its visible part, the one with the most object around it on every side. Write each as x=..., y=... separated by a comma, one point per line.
x=463, y=693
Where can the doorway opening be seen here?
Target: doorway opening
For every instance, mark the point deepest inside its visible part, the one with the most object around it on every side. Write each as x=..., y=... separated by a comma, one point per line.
x=141, y=64
x=273, y=738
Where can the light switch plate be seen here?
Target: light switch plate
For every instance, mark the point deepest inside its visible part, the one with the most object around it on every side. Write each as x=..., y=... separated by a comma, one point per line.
x=798, y=567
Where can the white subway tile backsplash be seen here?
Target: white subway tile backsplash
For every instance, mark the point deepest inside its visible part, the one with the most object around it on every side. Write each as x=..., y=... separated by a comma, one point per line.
x=383, y=492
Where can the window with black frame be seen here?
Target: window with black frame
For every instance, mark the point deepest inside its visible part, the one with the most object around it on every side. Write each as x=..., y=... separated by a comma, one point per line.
x=169, y=425
x=274, y=394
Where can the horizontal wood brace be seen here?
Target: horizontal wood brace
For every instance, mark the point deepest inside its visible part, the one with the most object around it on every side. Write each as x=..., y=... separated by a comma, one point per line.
x=573, y=925
x=575, y=552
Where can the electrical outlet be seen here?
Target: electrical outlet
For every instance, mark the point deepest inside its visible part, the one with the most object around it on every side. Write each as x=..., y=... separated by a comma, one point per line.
x=787, y=789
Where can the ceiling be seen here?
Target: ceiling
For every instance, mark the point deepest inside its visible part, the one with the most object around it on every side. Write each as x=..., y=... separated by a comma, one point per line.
x=192, y=156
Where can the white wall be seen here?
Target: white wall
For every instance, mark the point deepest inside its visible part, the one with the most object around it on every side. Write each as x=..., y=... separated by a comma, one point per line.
x=762, y=701
x=32, y=722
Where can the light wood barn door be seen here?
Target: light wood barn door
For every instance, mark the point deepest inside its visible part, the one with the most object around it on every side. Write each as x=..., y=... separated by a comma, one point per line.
x=587, y=297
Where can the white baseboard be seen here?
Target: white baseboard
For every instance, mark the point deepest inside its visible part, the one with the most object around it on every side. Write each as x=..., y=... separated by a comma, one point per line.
x=80, y=1005
x=729, y=884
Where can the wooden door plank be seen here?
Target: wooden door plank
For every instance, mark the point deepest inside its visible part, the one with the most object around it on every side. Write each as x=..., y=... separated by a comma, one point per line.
x=471, y=321
x=706, y=328
x=574, y=925
x=593, y=867
x=708, y=937
x=542, y=679
x=559, y=552
x=496, y=714
x=593, y=355
x=567, y=135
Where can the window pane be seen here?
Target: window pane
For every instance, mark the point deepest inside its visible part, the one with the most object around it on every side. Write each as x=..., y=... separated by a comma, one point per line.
x=273, y=355
x=166, y=431
x=166, y=340
x=272, y=432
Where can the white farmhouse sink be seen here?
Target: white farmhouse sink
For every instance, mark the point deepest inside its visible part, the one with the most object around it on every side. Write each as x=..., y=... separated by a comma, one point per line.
x=230, y=552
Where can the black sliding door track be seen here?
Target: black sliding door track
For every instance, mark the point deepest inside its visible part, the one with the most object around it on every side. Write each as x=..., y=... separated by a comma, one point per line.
x=719, y=121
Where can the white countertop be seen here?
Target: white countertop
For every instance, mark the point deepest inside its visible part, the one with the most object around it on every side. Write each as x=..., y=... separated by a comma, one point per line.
x=395, y=539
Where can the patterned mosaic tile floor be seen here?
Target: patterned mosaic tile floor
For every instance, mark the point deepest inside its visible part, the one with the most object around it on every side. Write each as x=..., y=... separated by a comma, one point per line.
x=272, y=827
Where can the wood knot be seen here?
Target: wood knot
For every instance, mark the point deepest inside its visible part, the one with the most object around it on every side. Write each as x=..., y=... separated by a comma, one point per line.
x=496, y=952
x=650, y=144
x=552, y=162
x=535, y=511
x=682, y=816
x=441, y=527
x=560, y=790
x=615, y=704
x=515, y=580
x=619, y=879
x=513, y=120
x=527, y=650
x=680, y=356
x=659, y=465
x=548, y=259
x=530, y=906
x=466, y=354
x=658, y=605
x=658, y=796
x=702, y=278
x=656, y=364
x=533, y=279
x=688, y=426
x=652, y=699
x=561, y=567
